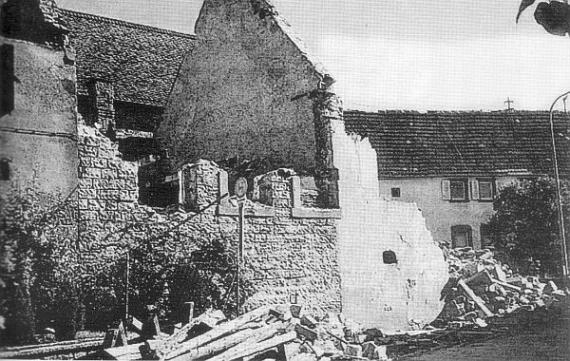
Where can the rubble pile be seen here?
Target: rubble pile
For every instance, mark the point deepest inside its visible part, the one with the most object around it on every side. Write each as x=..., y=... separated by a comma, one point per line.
x=465, y=262
x=481, y=288
x=282, y=332
x=484, y=299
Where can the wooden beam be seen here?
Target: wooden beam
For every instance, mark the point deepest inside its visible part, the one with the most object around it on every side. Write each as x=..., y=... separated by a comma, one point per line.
x=478, y=301
x=219, y=331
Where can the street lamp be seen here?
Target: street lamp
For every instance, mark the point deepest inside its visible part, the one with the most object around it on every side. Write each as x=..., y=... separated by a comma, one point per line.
x=558, y=188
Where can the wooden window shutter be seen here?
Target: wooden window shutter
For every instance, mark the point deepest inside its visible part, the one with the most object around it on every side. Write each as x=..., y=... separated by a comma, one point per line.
x=474, y=189
x=446, y=189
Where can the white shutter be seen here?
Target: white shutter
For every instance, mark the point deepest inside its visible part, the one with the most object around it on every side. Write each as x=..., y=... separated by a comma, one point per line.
x=446, y=189
x=474, y=189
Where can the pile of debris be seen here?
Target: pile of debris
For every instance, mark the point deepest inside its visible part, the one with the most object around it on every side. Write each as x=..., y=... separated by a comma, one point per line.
x=282, y=332
x=482, y=288
x=484, y=299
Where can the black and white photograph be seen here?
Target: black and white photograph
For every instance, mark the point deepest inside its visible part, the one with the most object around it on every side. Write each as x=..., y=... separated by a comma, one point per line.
x=285, y=180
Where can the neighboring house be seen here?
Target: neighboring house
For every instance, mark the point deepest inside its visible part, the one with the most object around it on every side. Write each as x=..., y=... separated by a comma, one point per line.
x=453, y=164
x=37, y=101
x=124, y=75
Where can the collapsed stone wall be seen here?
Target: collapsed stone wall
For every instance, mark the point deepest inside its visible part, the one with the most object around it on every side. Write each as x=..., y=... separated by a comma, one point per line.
x=290, y=251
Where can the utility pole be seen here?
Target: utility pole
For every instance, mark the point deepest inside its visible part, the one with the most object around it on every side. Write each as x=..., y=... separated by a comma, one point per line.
x=240, y=191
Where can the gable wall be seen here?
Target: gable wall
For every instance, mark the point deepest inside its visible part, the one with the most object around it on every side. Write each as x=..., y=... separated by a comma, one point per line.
x=233, y=95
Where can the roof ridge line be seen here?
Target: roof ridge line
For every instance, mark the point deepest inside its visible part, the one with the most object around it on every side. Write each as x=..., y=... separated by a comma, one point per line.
x=128, y=23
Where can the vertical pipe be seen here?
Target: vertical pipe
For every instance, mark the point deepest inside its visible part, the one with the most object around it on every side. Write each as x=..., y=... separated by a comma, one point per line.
x=127, y=291
x=240, y=254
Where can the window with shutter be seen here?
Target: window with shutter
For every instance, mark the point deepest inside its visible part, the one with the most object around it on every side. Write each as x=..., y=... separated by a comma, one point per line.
x=474, y=185
x=445, y=189
x=486, y=189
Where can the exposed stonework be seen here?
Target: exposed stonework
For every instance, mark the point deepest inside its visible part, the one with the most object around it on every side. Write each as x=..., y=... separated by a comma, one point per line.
x=102, y=94
x=285, y=255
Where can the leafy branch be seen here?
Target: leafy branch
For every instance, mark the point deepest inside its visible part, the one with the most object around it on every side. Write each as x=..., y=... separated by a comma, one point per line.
x=554, y=16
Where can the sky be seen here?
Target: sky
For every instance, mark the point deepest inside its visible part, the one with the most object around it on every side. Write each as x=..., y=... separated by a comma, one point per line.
x=404, y=54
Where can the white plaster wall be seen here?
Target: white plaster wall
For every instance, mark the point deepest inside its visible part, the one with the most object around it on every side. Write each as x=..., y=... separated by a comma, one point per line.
x=441, y=214
x=373, y=293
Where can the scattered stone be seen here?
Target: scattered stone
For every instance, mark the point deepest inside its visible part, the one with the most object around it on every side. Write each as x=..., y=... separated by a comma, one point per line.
x=353, y=350
x=309, y=321
x=296, y=310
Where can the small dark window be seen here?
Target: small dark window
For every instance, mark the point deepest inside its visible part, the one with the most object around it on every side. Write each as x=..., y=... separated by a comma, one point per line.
x=389, y=257
x=4, y=169
x=396, y=192
x=7, y=78
x=461, y=236
x=458, y=190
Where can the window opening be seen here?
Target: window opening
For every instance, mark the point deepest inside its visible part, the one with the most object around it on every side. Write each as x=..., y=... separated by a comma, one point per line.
x=395, y=192
x=458, y=190
x=4, y=169
x=461, y=236
x=389, y=257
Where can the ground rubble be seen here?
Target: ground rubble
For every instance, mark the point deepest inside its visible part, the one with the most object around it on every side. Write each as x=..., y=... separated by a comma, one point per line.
x=483, y=299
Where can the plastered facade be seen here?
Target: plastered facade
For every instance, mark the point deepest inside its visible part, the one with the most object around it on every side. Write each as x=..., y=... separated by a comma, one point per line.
x=441, y=214
x=233, y=95
x=41, y=121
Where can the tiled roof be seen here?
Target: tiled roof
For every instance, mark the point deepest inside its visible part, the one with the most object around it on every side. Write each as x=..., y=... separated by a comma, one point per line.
x=413, y=144
x=142, y=61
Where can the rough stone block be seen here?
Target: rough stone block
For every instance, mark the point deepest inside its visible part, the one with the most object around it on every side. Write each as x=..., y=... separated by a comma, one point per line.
x=296, y=310
x=380, y=353
x=353, y=350
x=309, y=321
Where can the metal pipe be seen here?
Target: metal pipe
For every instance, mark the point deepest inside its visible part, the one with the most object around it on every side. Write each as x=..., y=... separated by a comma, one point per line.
x=558, y=188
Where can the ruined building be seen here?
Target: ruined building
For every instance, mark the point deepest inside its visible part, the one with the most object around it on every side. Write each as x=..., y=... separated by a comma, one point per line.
x=250, y=89
x=316, y=228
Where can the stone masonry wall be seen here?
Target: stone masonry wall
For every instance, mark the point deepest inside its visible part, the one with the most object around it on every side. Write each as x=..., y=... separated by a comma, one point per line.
x=288, y=251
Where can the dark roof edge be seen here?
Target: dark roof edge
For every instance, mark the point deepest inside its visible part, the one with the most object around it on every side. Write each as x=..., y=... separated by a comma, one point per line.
x=448, y=112
x=127, y=23
x=385, y=176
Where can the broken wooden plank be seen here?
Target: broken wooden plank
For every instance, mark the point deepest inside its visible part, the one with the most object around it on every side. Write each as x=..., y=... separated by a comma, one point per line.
x=249, y=349
x=508, y=285
x=128, y=352
x=478, y=301
x=210, y=317
x=55, y=348
x=306, y=332
x=115, y=336
x=187, y=312
x=219, y=331
x=225, y=343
